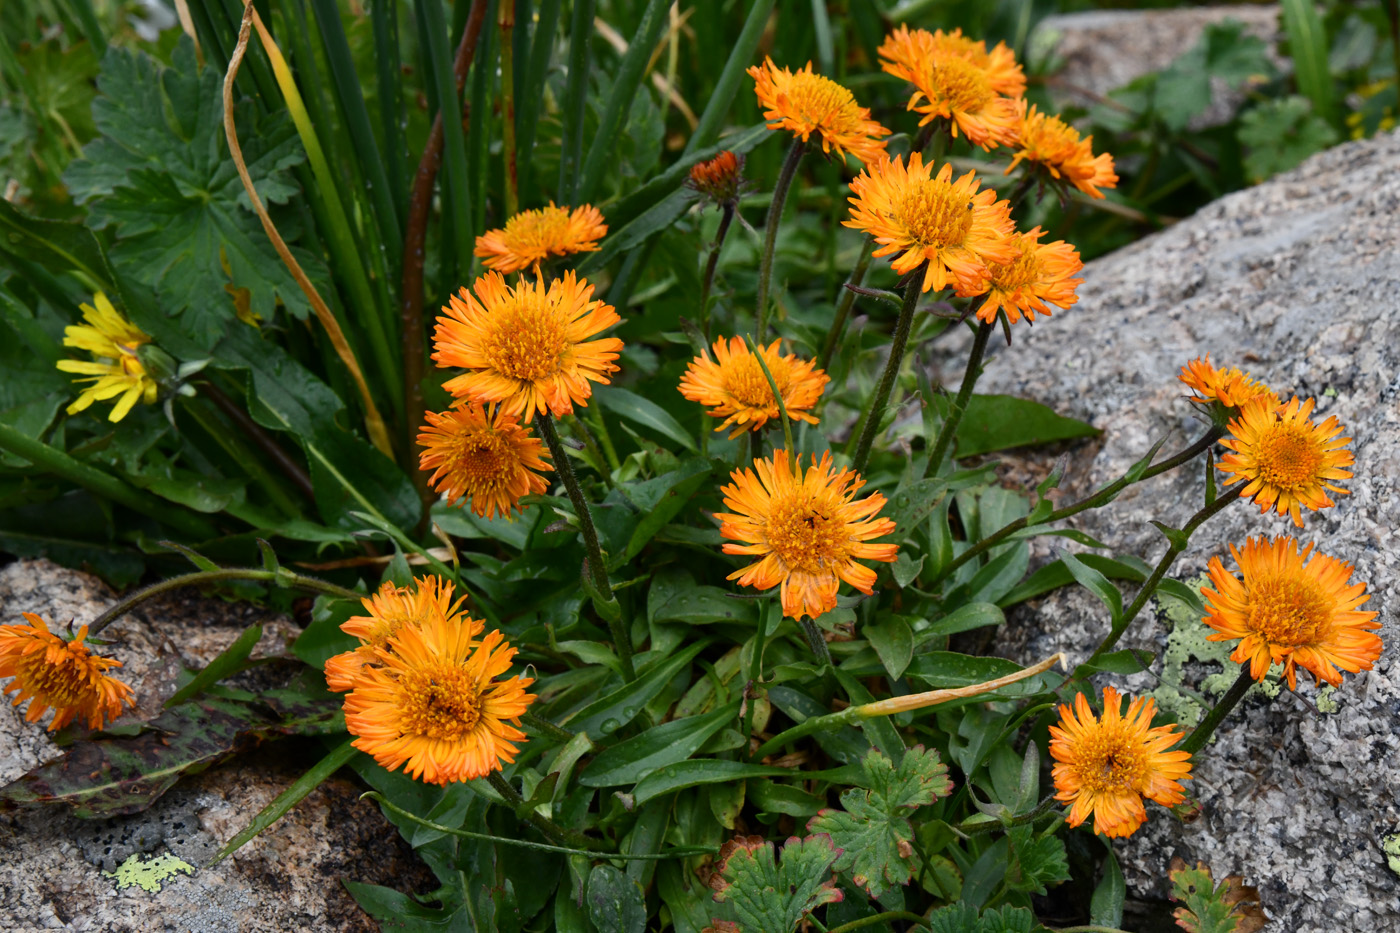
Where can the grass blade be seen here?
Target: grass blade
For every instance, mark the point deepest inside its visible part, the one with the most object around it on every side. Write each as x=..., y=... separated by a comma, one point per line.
x=580, y=61
x=1307, y=40
x=229, y=661
x=388, y=69
x=734, y=72
x=457, y=203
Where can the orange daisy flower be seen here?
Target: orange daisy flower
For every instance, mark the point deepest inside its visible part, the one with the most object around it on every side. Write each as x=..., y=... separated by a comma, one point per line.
x=1105, y=767
x=527, y=347
x=64, y=676
x=1285, y=457
x=808, y=530
x=960, y=231
x=1292, y=610
x=956, y=79
x=389, y=610
x=489, y=457
x=734, y=387
x=1046, y=141
x=1229, y=387
x=531, y=237
x=805, y=104
x=434, y=703
x=1042, y=272
x=908, y=53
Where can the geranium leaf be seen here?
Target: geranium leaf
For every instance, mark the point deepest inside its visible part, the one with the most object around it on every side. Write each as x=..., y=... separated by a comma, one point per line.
x=1229, y=907
x=768, y=895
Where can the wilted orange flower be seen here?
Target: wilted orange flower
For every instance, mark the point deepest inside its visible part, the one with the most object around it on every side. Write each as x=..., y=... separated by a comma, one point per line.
x=960, y=231
x=487, y=456
x=527, y=347
x=1229, y=387
x=805, y=104
x=116, y=369
x=807, y=529
x=531, y=237
x=1047, y=141
x=1292, y=610
x=63, y=675
x=435, y=706
x=1285, y=457
x=390, y=609
x=734, y=387
x=956, y=79
x=719, y=179
x=1042, y=272
x=1105, y=767
x=908, y=53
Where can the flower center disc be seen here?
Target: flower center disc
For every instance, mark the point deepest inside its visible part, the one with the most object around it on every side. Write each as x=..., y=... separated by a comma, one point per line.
x=1110, y=762
x=806, y=534
x=818, y=99
x=961, y=84
x=1287, y=610
x=935, y=215
x=1287, y=459
x=745, y=382
x=1018, y=273
x=440, y=702
x=482, y=460
x=528, y=342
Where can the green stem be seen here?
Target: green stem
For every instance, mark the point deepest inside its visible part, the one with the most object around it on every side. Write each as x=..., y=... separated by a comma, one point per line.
x=281, y=577
x=816, y=641
x=959, y=405
x=983, y=826
x=540, y=724
x=1173, y=550
x=63, y=465
x=1101, y=497
x=1201, y=734
x=756, y=349
x=604, y=600
x=770, y=232
x=708, y=282
x=844, y=302
x=547, y=827
x=912, y=291
x=874, y=919
x=755, y=672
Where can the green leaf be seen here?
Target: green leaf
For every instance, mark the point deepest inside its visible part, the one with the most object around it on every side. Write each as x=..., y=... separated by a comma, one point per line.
x=1040, y=863
x=399, y=912
x=893, y=641
x=644, y=412
x=659, y=746
x=1123, y=661
x=1055, y=575
x=229, y=661
x=1106, y=906
x=615, y=901
x=661, y=499
x=874, y=832
x=771, y=895
x=698, y=605
x=963, y=619
x=772, y=797
x=617, y=709
x=962, y=917
x=999, y=422
x=696, y=771
x=1208, y=907
x=911, y=504
x=1279, y=134
x=1096, y=583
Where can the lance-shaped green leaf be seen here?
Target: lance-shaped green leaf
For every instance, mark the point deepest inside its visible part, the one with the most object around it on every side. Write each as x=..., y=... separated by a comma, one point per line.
x=772, y=895
x=874, y=832
x=1229, y=907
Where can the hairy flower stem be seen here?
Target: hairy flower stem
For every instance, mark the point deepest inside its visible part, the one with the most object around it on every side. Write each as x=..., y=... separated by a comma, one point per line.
x=604, y=601
x=280, y=577
x=707, y=284
x=1178, y=544
x=844, y=302
x=912, y=291
x=540, y=724
x=755, y=672
x=1201, y=734
x=817, y=642
x=959, y=406
x=770, y=233
x=547, y=827
x=1102, y=497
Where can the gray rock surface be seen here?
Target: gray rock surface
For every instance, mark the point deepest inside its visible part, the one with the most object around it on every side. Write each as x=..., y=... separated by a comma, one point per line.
x=52, y=864
x=1298, y=281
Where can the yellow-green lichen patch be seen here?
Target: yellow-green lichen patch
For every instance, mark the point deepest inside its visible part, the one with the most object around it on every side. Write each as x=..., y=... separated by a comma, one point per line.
x=148, y=875
x=1390, y=845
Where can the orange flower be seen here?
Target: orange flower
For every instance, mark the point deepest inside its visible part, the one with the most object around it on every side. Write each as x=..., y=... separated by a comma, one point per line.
x=1105, y=767
x=531, y=237
x=1046, y=141
x=960, y=231
x=807, y=529
x=1285, y=457
x=1229, y=387
x=527, y=347
x=956, y=79
x=1292, y=610
x=805, y=103
x=1042, y=272
x=909, y=53
x=486, y=456
x=719, y=179
x=434, y=704
x=390, y=609
x=64, y=675
x=735, y=388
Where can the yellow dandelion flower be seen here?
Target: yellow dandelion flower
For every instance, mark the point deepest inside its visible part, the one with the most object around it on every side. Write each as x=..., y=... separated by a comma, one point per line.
x=1229, y=387
x=527, y=347
x=1105, y=767
x=117, y=370
x=909, y=53
x=64, y=676
x=959, y=230
x=807, y=529
x=805, y=104
x=532, y=237
x=1047, y=142
x=489, y=457
x=389, y=610
x=436, y=705
x=733, y=386
x=1286, y=608
x=1286, y=459
x=1042, y=274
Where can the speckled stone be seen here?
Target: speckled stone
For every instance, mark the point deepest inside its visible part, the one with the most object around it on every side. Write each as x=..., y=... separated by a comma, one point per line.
x=52, y=864
x=1298, y=281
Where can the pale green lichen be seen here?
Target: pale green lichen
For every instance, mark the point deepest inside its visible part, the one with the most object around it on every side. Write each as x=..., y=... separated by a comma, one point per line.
x=148, y=875
x=1390, y=845
x=1327, y=700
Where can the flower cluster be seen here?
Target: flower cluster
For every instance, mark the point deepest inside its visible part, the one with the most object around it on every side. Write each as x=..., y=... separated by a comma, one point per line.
x=424, y=688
